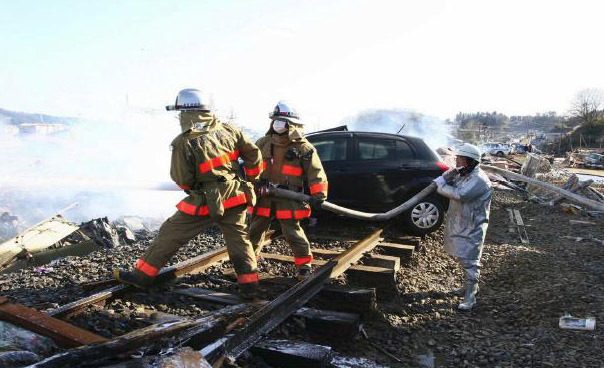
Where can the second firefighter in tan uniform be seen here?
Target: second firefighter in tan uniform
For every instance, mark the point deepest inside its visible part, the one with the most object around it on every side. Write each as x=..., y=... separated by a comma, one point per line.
x=290, y=162
x=205, y=164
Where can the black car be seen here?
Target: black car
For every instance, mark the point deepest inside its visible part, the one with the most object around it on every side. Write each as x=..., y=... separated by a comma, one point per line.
x=375, y=172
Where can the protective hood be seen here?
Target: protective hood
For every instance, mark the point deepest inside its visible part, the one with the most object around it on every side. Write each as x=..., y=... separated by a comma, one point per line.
x=196, y=120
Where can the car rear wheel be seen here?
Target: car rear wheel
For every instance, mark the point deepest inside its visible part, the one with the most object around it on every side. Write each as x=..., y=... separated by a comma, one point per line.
x=500, y=153
x=425, y=217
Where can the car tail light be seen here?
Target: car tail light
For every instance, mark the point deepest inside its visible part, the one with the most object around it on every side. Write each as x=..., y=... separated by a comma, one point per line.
x=441, y=165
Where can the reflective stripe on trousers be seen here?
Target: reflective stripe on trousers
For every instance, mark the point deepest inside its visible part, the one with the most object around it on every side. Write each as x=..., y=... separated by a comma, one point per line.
x=146, y=268
x=247, y=278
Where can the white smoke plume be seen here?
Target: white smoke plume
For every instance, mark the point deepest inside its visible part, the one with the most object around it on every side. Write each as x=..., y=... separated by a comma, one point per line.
x=432, y=130
x=107, y=167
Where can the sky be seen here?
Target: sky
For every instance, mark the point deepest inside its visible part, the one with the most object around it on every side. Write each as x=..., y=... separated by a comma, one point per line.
x=330, y=58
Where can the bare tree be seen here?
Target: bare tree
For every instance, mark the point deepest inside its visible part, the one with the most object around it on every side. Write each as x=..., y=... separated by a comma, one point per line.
x=587, y=105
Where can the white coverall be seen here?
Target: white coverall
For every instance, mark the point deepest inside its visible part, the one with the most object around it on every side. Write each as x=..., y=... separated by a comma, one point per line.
x=468, y=219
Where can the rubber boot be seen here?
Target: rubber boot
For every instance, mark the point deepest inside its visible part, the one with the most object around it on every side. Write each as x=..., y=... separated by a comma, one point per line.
x=303, y=272
x=469, y=300
x=132, y=278
x=248, y=291
x=461, y=291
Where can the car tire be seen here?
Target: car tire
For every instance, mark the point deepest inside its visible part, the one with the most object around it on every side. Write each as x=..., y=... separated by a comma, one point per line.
x=425, y=217
x=500, y=153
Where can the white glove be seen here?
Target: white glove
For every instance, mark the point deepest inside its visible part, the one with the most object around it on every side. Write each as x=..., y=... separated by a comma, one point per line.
x=449, y=175
x=440, y=181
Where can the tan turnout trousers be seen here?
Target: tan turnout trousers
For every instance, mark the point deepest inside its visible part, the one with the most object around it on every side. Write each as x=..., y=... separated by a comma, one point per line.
x=180, y=228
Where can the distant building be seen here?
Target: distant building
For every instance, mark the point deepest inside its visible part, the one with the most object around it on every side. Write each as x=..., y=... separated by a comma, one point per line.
x=41, y=128
x=553, y=136
x=10, y=129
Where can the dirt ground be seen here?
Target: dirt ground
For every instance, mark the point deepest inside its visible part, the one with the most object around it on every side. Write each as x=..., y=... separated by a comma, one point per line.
x=524, y=290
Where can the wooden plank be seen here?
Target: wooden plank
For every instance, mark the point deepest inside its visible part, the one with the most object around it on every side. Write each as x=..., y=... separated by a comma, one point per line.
x=512, y=227
x=318, y=321
x=286, y=353
x=521, y=229
x=519, y=221
x=579, y=222
x=404, y=252
x=345, y=298
x=380, y=260
x=383, y=279
x=406, y=240
x=197, y=331
x=319, y=262
x=63, y=333
x=325, y=253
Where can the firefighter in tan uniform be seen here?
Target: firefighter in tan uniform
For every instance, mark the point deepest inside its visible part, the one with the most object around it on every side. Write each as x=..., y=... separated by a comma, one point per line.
x=205, y=165
x=290, y=162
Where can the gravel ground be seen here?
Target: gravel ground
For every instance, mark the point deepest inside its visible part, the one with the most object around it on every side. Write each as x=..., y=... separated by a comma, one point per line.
x=523, y=291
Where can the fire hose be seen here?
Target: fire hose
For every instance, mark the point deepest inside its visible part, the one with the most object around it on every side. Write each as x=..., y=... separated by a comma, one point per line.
x=301, y=197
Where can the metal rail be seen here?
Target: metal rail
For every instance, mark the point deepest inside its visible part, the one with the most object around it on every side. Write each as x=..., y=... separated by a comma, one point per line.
x=278, y=310
x=196, y=264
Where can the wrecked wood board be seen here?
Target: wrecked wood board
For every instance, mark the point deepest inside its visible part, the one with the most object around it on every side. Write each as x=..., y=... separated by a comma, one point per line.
x=521, y=228
x=63, y=333
x=197, y=330
x=37, y=238
x=517, y=225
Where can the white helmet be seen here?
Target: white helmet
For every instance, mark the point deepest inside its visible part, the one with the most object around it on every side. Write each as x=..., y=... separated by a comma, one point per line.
x=284, y=111
x=469, y=150
x=190, y=99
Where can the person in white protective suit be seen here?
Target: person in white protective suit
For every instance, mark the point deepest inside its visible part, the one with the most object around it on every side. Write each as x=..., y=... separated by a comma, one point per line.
x=469, y=191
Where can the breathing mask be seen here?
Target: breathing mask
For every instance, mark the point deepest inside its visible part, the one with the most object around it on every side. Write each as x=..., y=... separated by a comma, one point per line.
x=279, y=126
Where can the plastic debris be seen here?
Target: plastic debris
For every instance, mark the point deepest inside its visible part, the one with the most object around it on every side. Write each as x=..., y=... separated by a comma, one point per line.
x=13, y=338
x=10, y=359
x=43, y=269
x=184, y=358
x=573, y=323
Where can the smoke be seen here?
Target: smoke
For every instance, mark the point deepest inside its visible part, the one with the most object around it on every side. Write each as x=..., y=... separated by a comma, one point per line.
x=432, y=130
x=107, y=167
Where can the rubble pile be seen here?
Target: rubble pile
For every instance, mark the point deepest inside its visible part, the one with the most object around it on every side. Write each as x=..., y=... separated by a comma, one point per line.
x=524, y=290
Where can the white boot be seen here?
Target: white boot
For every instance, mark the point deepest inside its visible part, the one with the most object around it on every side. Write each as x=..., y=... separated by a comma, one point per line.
x=469, y=300
x=461, y=291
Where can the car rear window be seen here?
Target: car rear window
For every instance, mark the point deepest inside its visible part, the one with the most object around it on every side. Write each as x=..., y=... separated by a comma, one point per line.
x=331, y=149
x=377, y=149
x=404, y=150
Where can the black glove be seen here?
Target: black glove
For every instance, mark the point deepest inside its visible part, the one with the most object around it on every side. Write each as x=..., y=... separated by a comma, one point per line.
x=315, y=204
x=261, y=187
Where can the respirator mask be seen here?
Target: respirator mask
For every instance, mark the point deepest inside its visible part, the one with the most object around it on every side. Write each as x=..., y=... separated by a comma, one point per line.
x=279, y=126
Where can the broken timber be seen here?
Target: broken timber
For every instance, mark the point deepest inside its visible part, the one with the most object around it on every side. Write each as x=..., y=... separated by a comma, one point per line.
x=571, y=196
x=285, y=353
x=38, y=237
x=318, y=322
x=516, y=220
x=205, y=328
x=63, y=333
x=379, y=277
x=193, y=265
x=344, y=298
x=275, y=312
